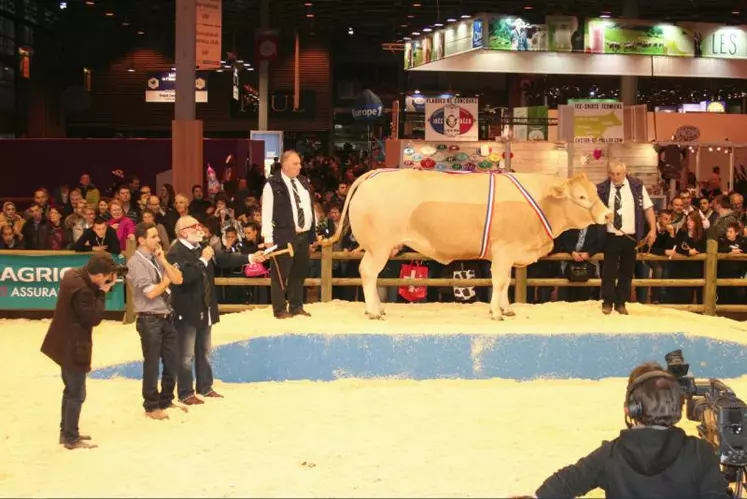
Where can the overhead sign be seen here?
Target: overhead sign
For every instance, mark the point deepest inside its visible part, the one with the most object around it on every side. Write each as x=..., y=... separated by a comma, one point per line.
x=478, y=38
x=33, y=282
x=209, y=34
x=161, y=87
x=451, y=119
x=367, y=107
x=598, y=122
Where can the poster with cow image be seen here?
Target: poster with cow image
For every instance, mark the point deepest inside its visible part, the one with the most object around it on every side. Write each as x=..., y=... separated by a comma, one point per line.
x=451, y=119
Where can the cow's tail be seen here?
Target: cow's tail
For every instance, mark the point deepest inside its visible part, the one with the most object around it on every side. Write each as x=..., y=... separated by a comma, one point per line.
x=343, y=225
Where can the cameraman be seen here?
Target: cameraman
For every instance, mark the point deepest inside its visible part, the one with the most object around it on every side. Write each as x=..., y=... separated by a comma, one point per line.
x=652, y=458
x=80, y=308
x=150, y=276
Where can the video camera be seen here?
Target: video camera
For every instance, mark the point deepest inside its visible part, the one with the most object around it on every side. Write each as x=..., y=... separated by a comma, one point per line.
x=120, y=272
x=721, y=414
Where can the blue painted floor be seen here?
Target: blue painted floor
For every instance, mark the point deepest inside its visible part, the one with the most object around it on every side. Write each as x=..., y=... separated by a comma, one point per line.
x=520, y=356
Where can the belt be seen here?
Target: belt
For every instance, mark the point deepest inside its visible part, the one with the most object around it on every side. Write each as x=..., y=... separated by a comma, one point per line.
x=298, y=233
x=160, y=315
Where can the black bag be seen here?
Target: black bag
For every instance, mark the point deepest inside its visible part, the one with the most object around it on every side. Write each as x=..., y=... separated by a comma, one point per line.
x=579, y=271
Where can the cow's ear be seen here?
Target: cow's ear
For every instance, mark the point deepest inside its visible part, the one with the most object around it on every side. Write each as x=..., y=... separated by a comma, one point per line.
x=560, y=191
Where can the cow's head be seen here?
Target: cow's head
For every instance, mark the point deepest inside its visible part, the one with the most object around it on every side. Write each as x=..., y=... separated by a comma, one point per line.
x=583, y=204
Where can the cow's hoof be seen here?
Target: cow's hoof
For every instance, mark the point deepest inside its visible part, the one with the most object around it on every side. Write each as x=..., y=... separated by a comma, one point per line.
x=374, y=317
x=509, y=313
x=496, y=317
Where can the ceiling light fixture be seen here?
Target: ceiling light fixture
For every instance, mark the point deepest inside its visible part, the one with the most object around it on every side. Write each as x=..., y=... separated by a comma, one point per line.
x=309, y=15
x=125, y=23
x=439, y=25
x=350, y=31
x=410, y=16
x=465, y=16
x=90, y=2
x=141, y=32
x=528, y=7
x=416, y=5
x=308, y=4
x=427, y=30
x=451, y=20
x=130, y=70
x=109, y=14
x=407, y=38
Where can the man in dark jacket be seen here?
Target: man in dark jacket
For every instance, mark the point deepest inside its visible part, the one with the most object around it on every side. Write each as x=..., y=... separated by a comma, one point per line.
x=582, y=245
x=80, y=308
x=652, y=458
x=195, y=304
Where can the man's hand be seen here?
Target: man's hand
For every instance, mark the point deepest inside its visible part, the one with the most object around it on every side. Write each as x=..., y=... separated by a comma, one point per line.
x=651, y=238
x=258, y=257
x=109, y=283
x=208, y=252
x=159, y=252
x=577, y=257
x=99, y=248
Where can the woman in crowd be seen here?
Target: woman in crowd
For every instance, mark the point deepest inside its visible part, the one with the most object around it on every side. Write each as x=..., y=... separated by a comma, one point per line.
x=119, y=222
x=103, y=209
x=167, y=195
x=58, y=237
x=148, y=217
x=690, y=240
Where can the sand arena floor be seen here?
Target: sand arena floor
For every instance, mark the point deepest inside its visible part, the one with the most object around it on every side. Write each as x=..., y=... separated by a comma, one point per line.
x=348, y=438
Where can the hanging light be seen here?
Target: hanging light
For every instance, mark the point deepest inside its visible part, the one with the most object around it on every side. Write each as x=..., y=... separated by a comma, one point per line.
x=130, y=70
x=350, y=31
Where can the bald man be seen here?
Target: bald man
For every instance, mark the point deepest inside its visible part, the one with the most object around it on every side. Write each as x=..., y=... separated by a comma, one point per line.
x=195, y=305
x=288, y=217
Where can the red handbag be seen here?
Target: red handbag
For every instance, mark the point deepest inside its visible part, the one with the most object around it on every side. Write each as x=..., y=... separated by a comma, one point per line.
x=413, y=270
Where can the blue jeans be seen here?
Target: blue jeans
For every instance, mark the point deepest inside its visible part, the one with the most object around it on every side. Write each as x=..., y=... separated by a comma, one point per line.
x=194, y=345
x=72, y=402
x=159, y=344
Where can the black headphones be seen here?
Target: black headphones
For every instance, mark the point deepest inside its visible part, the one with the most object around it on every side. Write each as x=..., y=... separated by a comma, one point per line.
x=634, y=408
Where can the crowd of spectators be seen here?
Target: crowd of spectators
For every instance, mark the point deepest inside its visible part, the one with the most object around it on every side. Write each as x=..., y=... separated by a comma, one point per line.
x=85, y=218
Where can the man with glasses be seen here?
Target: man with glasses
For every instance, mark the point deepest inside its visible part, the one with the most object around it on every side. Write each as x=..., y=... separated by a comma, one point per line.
x=195, y=305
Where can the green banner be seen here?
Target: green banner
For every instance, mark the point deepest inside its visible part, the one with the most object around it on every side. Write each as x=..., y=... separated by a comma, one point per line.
x=637, y=37
x=530, y=123
x=30, y=282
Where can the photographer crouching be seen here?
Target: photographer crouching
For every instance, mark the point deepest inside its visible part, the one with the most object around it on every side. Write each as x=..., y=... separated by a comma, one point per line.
x=652, y=458
x=150, y=276
x=69, y=342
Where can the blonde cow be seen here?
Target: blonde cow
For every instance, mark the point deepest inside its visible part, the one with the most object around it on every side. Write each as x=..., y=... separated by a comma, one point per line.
x=509, y=219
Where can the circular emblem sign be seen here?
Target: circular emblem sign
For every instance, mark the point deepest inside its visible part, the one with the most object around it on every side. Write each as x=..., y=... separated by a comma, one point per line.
x=452, y=120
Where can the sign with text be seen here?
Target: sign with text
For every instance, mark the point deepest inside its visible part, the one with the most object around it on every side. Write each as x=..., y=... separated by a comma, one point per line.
x=531, y=123
x=209, y=34
x=281, y=104
x=33, y=282
x=451, y=119
x=598, y=122
x=723, y=42
x=161, y=87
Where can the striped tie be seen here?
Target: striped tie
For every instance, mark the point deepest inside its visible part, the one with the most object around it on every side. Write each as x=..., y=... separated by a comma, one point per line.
x=299, y=206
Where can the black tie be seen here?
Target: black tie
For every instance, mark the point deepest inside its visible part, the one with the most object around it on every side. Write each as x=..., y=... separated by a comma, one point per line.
x=618, y=220
x=299, y=207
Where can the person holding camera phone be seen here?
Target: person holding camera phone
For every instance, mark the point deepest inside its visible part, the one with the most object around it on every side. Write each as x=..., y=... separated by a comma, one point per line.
x=652, y=457
x=196, y=306
x=69, y=342
x=150, y=276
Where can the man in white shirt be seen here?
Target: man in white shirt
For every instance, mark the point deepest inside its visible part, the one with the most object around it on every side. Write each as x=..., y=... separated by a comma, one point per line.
x=288, y=217
x=631, y=207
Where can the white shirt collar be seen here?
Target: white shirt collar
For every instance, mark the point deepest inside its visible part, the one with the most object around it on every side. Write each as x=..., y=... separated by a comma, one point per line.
x=187, y=244
x=286, y=178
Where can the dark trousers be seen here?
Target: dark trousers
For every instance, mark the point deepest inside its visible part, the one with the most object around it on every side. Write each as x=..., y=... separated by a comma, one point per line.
x=617, y=272
x=73, y=397
x=287, y=276
x=194, y=345
x=159, y=343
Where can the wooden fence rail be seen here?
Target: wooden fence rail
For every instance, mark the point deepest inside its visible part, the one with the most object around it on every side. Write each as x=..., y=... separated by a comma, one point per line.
x=521, y=282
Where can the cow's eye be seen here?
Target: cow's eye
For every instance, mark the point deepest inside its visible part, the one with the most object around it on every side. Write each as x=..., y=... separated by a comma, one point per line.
x=582, y=198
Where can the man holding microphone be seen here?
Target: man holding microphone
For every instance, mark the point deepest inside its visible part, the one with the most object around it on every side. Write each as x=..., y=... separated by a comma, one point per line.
x=150, y=276
x=196, y=306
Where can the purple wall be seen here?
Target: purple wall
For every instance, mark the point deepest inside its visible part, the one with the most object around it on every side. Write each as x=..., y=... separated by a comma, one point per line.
x=29, y=163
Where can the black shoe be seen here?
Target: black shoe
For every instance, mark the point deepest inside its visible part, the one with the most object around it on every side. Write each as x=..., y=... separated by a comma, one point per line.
x=620, y=309
x=80, y=437
x=606, y=308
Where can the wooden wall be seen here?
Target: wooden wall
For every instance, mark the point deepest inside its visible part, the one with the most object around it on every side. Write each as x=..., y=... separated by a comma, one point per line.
x=118, y=96
x=641, y=159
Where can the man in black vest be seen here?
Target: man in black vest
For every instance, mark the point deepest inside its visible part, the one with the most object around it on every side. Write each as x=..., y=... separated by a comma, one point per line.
x=631, y=207
x=195, y=305
x=288, y=217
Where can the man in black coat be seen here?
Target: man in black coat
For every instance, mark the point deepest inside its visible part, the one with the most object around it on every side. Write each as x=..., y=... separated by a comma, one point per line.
x=195, y=304
x=582, y=245
x=288, y=217
x=69, y=342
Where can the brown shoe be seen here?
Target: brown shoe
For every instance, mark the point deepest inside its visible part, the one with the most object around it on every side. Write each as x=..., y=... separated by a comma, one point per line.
x=620, y=309
x=181, y=407
x=283, y=315
x=300, y=312
x=79, y=444
x=192, y=400
x=80, y=437
x=606, y=308
x=213, y=394
x=158, y=414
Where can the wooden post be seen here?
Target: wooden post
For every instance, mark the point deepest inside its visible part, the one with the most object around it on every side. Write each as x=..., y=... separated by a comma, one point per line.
x=710, y=274
x=129, y=314
x=520, y=286
x=326, y=273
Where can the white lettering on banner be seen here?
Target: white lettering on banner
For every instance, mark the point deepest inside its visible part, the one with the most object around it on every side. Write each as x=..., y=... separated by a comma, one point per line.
x=367, y=112
x=33, y=274
x=28, y=292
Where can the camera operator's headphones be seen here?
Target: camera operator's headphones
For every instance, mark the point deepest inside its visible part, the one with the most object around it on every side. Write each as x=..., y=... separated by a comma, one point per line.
x=634, y=408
